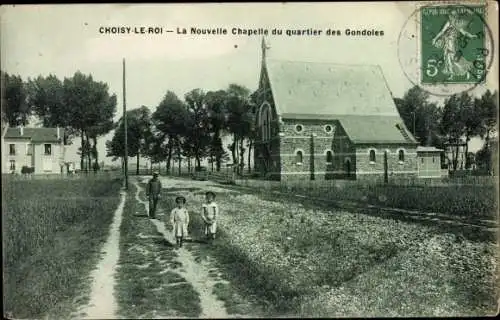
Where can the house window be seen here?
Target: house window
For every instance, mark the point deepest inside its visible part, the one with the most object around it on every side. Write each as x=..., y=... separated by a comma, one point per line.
x=12, y=165
x=433, y=159
x=401, y=155
x=12, y=149
x=48, y=149
x=298, y=157
x=422, y=160
x=329, y=157
x=372, y=156
x=29, y=149
x=299, y=128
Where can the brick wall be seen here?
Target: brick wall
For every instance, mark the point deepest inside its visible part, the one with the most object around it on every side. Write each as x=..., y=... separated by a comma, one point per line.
x=314, y=142
x=396, y=169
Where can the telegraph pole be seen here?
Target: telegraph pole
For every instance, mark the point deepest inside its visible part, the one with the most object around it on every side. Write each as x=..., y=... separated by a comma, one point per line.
x=125, y=128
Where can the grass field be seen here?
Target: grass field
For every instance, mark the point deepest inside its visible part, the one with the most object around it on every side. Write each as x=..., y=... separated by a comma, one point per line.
x=52, y=233
x=477, y=201
x=308, y=260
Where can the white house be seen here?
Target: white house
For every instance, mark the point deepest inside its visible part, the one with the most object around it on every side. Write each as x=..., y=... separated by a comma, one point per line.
x=42, y=149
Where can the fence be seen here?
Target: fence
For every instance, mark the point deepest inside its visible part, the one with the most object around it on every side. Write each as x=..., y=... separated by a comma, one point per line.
x=57, y=176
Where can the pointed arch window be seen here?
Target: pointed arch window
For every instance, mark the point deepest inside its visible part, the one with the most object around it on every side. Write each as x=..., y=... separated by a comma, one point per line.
x=265, y=119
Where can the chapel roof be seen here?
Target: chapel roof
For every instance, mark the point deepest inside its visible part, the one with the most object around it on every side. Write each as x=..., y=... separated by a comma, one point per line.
x=356, y=95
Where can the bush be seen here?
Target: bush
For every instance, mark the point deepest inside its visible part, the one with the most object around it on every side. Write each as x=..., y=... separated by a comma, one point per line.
x=27, y=170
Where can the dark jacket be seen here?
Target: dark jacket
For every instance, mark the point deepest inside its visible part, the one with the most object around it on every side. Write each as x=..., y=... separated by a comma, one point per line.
x=154, y=188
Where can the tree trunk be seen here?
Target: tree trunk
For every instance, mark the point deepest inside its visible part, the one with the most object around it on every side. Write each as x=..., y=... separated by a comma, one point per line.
x=96, y=154
x=455, y=158
x=179, y=158
x=242, y=156
x=250, y=145
x=219, y=150
x=198, y=161
x=487, y=143
x=82, y=149
x=137, y=165
x=189, y=164
x=169, y=156
x=466, y=152
x=89, y=155
x=237, y=158
x=212, y=162
x=233, y=150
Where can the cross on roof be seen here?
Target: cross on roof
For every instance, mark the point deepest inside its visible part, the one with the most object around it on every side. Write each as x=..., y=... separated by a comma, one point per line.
x=264, y=47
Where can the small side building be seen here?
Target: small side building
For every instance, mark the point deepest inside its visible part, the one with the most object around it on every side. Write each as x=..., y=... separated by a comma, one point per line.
x=430, y=162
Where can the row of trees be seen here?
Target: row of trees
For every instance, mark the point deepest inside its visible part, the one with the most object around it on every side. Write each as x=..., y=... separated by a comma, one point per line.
x=191, y=129
x=79, y=104
x=461, y=118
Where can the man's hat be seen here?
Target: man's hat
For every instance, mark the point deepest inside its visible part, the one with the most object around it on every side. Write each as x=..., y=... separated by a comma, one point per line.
x=155, y=173
x=210, y=193
x=180, y=198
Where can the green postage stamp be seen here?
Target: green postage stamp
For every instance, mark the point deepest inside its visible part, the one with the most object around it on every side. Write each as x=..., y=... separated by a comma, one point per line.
x=453, y=46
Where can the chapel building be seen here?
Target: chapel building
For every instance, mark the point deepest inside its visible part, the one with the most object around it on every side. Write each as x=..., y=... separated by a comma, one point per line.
x=324, y=121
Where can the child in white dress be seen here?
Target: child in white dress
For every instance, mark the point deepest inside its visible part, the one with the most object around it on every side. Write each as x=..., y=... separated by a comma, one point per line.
x=179, y=218
x=209, y=215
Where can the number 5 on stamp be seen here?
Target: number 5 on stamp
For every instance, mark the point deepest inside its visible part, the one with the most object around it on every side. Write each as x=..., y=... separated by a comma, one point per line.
x=453, y=48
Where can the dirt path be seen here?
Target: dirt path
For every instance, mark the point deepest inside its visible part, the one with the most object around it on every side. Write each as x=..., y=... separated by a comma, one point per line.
x=197, y=274
x=102, y=303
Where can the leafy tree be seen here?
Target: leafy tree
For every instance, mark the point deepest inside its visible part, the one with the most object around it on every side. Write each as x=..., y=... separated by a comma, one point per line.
x=198, y=128
x=487, y=108
x=116, y=146
x=239, y=121
x=420, y=116
x=81, y=105
x=217, y=113
x=15, y=109
x=171, y=119
x=453, y=126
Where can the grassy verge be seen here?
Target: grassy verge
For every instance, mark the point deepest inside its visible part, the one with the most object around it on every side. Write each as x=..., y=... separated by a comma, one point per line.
x=148, y=285
x=479, y=201
x=312, y=261
x=53, y=231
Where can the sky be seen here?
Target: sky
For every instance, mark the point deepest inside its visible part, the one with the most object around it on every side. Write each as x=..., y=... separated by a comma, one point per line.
x=62, y=39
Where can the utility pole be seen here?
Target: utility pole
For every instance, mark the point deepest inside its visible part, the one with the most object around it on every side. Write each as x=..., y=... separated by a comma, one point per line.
x=125, y=128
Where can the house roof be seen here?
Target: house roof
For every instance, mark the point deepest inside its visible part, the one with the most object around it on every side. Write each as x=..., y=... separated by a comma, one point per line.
x=428, y=149
x=357, y=95
x=35, y=134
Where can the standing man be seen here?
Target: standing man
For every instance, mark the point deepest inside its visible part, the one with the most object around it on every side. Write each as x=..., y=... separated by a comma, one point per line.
x=153, y=192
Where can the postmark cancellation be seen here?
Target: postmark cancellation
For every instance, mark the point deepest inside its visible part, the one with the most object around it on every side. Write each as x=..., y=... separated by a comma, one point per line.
x=453, y=46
